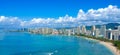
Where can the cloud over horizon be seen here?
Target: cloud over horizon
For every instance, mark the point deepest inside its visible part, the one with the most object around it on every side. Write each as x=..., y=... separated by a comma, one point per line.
x=91, y=17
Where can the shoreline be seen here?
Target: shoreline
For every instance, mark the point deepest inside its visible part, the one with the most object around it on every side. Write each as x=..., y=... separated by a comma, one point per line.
x=108, y=45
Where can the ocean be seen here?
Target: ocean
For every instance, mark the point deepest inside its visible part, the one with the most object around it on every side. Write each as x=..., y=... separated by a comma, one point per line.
x=23, y=43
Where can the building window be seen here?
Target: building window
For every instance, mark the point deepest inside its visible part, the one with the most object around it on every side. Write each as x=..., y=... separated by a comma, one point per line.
x=119, y=37
x=113, y=37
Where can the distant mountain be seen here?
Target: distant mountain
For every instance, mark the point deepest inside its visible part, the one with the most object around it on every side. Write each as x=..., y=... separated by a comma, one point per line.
x=109, y=25
x=112, y=25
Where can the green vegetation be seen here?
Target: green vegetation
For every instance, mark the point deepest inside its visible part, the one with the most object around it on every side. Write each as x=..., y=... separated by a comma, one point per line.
x=115, y=43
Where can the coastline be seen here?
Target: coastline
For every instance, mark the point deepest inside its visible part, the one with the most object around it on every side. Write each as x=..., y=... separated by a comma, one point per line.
x=108, y=45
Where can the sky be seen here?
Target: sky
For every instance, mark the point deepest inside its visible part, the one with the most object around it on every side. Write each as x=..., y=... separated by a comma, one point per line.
x=35, y=13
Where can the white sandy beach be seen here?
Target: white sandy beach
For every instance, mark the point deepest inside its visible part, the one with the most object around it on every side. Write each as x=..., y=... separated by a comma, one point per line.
x=111, y=47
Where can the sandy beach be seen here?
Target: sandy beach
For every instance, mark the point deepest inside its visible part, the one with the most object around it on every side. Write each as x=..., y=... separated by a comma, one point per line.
x=111, y=47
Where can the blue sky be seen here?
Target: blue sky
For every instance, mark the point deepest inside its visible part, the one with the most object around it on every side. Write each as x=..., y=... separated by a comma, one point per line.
x=50, y=8
x=44, y=13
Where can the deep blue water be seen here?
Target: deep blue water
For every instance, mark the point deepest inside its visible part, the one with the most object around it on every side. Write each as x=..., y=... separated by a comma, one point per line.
x=20, y=43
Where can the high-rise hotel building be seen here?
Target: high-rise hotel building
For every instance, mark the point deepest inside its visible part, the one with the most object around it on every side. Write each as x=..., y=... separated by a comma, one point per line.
x=93, y=30
x=113, y=34
x=103, y=31
x=78, y=30
x=83, y=29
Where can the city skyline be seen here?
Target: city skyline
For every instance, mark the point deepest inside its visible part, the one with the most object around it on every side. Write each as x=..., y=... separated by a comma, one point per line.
x=59, y=27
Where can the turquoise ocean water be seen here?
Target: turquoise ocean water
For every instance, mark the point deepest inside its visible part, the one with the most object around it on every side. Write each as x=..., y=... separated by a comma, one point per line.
x=21, y=43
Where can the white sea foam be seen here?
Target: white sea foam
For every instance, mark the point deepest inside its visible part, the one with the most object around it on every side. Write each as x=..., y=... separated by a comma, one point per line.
x=50, y=53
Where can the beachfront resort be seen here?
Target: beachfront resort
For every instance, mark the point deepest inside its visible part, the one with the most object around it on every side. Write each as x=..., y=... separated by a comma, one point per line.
x=59, y=27
x=107, y=36
x=111, y=34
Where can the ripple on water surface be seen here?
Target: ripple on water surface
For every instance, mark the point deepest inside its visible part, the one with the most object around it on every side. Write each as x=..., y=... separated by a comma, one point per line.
x=18, y=43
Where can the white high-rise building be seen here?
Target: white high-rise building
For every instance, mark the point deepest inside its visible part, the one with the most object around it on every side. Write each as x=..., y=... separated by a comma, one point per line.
x=78, y=30
x=103, y=31
x=93, y=30
x=83, y=29
x=97, y=33
x=113, y=34
x=109, y=34
x=69, y=32
x=119, y=28
x=73, y=31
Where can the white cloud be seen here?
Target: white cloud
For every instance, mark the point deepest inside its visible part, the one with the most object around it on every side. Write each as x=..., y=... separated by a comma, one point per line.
x=91, y=17
x=2, y=18
x=81, y=15
x=108, y=14
x=9, y=22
